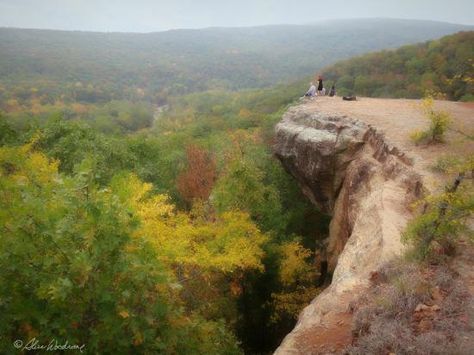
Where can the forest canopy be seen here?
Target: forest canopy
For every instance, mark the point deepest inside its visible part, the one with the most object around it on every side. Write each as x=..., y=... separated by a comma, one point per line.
x=190, y=209
x=444, y=66
x=43, y=67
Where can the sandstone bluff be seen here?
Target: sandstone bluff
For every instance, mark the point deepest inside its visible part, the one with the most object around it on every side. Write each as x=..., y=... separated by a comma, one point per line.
x=350, y=171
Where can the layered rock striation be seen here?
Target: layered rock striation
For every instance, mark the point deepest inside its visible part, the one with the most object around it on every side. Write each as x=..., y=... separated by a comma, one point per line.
x=348, y=170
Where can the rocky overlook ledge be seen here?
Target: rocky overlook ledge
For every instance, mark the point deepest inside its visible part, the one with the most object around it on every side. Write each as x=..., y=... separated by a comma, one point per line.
x=348, y=170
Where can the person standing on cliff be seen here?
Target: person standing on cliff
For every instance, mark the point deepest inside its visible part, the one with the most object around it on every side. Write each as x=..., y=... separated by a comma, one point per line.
x=320, y=85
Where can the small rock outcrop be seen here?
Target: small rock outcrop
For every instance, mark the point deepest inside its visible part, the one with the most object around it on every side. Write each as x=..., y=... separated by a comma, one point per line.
x=348, y=170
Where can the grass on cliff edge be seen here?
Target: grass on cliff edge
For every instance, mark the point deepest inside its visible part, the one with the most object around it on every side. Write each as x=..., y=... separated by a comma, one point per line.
x=414, y=309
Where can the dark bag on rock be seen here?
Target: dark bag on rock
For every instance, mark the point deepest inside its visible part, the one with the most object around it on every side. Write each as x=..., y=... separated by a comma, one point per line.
x=349, y=98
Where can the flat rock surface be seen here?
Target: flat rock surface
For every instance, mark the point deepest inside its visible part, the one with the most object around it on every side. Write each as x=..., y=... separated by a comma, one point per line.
x=398, y=118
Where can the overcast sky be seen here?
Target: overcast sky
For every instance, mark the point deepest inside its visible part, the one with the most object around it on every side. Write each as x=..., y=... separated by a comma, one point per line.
x=157, y=15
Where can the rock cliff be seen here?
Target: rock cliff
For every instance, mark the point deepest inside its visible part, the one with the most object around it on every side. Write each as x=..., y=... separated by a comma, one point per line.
x=348, y=170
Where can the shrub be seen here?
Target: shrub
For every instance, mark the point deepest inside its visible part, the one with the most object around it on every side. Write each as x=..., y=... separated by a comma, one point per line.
x=439, y=123
x=447, y=163
x=445, y=218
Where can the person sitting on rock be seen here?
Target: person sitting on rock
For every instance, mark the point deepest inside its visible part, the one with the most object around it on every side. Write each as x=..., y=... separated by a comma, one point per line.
x=311, y=91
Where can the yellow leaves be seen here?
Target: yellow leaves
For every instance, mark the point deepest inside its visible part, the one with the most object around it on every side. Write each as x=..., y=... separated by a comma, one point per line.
x=228, y=242
x=26, y=166
x=40, y=165
x=124, y=314
x=241, y=140
x=290, y=304
x=427, y=104
x=36, y=106
x=231, y=242
x=417, y=136
x=236, y=243
x=155, y=206
x=297, y=275
x=244, y=113
x=439, y=122
x=294, y=265
x=28, y=147
x=130, y=189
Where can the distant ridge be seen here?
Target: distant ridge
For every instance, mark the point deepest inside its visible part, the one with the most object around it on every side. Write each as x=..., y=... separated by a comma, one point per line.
x=360, y=22
x=182, y=61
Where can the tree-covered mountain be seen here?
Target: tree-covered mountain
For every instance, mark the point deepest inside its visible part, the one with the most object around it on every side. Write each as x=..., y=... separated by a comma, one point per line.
x=444, y=66
x=98, y=67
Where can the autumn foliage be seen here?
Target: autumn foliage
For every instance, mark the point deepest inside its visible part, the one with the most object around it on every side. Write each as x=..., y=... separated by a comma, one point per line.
x=113, y=268
x=197, y=180
x=444, y=66
x=172, y=239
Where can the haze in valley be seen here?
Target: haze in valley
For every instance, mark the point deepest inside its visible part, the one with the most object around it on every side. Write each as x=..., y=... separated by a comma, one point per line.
x=158, y=15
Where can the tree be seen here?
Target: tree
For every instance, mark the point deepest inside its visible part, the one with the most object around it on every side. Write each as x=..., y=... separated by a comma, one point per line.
x=76, y=268
x=197, y=180
x=297, y=275
x=242, y=187
x=72, y=142
x=207, y=253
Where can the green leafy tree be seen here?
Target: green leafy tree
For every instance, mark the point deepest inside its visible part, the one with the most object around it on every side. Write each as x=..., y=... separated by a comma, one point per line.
x=72, y=142
x=242, y=187
x=73, y=269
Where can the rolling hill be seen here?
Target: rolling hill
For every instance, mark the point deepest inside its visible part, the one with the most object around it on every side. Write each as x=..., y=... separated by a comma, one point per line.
x=97, y=67
x=443, y=67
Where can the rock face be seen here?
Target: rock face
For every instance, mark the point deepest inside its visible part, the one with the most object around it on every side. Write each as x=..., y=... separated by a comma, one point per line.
x=348, y=170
